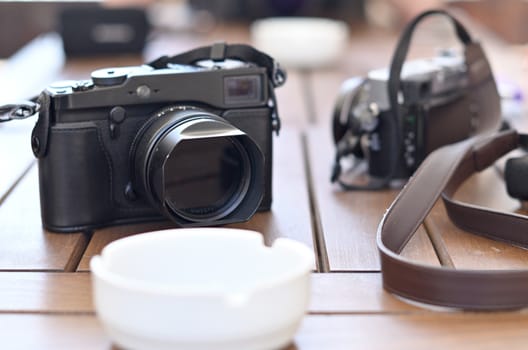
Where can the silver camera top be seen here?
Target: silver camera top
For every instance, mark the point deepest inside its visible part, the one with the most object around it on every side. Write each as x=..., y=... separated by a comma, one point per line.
x=364, y=102
x=424, y=77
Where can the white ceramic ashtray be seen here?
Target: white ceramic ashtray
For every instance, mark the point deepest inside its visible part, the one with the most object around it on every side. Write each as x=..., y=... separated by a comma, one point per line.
x=201, y=288
x=301, y=42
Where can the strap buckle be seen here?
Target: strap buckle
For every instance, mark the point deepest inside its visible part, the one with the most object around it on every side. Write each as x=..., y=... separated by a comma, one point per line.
x=17, y=111
x=278, y=75
x=218, y=52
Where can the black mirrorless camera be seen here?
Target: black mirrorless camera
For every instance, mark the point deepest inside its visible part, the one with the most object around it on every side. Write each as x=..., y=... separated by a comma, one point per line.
x=394, y=118
x=187, y=137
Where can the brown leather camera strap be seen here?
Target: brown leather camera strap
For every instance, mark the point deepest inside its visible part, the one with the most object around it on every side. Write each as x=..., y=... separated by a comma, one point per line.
x=442, y=173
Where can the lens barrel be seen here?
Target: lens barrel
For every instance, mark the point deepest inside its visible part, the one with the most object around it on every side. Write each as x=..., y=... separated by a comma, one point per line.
x=198, y=168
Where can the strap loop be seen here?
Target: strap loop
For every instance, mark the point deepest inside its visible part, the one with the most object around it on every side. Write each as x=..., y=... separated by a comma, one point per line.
x=16, y=111
x=218, y=52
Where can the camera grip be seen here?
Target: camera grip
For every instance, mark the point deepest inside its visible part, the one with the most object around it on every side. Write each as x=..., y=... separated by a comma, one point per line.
x=75, y=180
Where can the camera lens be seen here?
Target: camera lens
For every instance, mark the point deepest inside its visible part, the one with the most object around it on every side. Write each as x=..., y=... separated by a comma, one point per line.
x=199, y=168
x=206, y=179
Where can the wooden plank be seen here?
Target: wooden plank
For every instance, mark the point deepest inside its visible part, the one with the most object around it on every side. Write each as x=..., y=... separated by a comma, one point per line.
x=102, y=237
x=38, y=292
x=25, y=245
x=482, y=331
x=474, y=252
x=290, y=214
x=25, y=332
x=45, y=292
x=354, y=293
x=349, y=220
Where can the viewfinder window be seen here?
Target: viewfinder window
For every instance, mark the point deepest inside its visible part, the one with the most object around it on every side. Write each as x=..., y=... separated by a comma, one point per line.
x=242, y=89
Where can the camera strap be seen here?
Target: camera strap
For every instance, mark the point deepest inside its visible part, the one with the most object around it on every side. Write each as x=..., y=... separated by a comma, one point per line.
x=21, y=110
x=442, y=172
x=222, y=51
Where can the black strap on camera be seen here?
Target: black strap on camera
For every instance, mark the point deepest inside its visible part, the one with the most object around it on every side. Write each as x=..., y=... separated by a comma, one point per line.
x=21, y=110
x=221, y=51
x=344, y=148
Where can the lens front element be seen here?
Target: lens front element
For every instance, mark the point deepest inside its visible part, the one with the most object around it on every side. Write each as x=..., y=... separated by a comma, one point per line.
x=206, y=179
x=199, y=169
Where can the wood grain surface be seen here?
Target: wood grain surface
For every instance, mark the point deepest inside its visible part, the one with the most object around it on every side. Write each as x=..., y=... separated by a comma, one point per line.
x=341, y=332
x=437, y=331
x=45, y=292
x=45, y=304
x=474, y=252
x=71, y=293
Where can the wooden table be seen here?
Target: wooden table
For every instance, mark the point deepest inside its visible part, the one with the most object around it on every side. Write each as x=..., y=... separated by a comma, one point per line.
x=45, y=287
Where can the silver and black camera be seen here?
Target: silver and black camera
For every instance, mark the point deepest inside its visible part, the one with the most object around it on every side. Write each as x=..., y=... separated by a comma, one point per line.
x=363, y=109
x=188, y=138
x=392, y=119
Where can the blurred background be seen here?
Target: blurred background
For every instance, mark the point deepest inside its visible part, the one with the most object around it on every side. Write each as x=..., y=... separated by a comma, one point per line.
x=21, y=21
x=92, y=34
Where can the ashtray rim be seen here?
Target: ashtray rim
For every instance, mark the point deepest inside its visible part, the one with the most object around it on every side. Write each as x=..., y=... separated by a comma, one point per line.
x=304, y=265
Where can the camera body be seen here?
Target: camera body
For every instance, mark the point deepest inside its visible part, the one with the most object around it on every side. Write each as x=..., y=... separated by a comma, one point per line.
x=192, y=143
x=429, y=88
